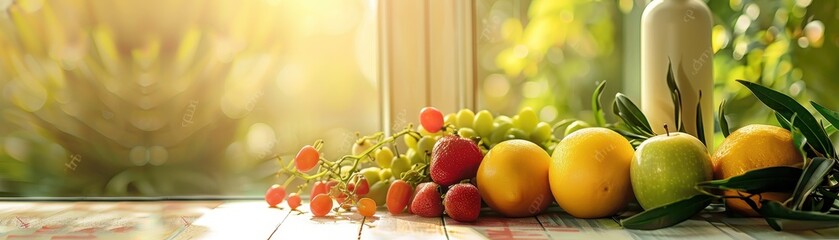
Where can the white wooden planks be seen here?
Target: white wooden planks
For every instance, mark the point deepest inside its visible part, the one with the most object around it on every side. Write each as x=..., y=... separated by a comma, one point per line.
x=236, y=220
x=255, y=220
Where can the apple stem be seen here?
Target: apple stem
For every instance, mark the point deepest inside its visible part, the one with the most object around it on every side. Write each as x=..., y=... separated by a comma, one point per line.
x=667, y=131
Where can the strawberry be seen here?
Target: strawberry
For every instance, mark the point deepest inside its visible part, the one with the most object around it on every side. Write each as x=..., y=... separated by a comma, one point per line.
x=463, y=202
x=453, y=159
x=416, y=190
x=428, y=202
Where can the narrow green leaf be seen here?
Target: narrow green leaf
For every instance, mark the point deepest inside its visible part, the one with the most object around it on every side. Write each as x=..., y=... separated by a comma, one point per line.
x=786, y=106
x=562, y=124
x=700, y=128
x=630, y=135
x=723, y=121
x=599, y=117
x=780, y=218
x=800, y=141
x=811, y=177
x=676, y=95
x=668, y=215
x=831, y=116
x=771, y=179
x=830, y=129
x=783, y=121
x=630, y=114
x=629, y=124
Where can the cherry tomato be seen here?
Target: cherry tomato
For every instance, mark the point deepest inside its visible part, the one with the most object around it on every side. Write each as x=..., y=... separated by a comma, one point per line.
x=431, y=119
x=363, y=187
x=275, y=195
x=307, y=158
x=319, y=187
x=366, y=207
x=398, y=196
x=320, y=205
x=293, y=200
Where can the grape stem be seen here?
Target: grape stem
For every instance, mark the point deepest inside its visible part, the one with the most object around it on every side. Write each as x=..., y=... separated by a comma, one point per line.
x=331, y=169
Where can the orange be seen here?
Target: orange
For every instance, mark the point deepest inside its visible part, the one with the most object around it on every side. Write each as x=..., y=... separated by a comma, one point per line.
x=752, y=147
x=513, y=179
x=589, y=173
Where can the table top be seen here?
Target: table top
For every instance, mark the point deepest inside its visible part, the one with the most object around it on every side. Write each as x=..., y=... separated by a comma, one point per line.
x=255, y=220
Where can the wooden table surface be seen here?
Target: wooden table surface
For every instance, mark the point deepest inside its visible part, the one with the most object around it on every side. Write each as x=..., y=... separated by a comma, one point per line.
x=254, y=220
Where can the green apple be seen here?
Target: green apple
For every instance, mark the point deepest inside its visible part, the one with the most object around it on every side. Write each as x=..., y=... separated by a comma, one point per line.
x=666, y=168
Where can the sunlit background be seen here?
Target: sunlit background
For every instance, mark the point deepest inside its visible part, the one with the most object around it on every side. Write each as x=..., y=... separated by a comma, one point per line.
x=146, y=98
x=161, y=98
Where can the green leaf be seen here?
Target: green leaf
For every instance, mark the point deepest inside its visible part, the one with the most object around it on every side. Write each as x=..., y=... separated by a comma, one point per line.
x=668, y=215
x=723, y=121
x=812, y=176
x=831, y=116
x=783, y=121
x=800, y=141
x=631, y=115
x=630, y=135
x=771, y=179
x=676, y=95
x=786, y=106
x=780, y=218
x=700, y=128
x=599, y=117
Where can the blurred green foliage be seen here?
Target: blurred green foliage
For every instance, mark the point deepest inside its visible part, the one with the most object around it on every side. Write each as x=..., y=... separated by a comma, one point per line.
x=789, y=45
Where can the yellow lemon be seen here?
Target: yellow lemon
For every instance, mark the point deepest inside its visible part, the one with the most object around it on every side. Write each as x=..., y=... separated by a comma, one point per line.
x=589, y=173
x=752, y=147
x=513, y=179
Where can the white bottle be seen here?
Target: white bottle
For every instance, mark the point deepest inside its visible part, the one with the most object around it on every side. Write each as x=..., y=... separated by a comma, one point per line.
x=677, y=31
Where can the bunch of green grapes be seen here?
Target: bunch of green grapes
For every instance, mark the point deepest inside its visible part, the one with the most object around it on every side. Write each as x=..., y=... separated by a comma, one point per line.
x=410, y=165
x=493, y=130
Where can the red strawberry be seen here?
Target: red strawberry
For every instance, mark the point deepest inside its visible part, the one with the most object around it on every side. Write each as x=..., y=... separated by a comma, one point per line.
x=463, y=202
x=416, y=190
x=427, y=202
x=454, y=159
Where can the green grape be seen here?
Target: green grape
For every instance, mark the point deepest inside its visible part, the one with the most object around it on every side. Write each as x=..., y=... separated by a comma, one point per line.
x=517, y=133
x=574, y=126
x=385, y=174
x=466, y=132
x=449, y=119
x=499, y=134
x=360, y=146
x=465, y=117
x=425, y=144
x=541, y=133
x=371, y=174
x=410, y=141
x=528, y=119
x=378, y=192
x=502, y=119
x=424, y=132
x=383, y=157
x=483, y=123
x=414, y=157
x=399, y=165
x=516, y=121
